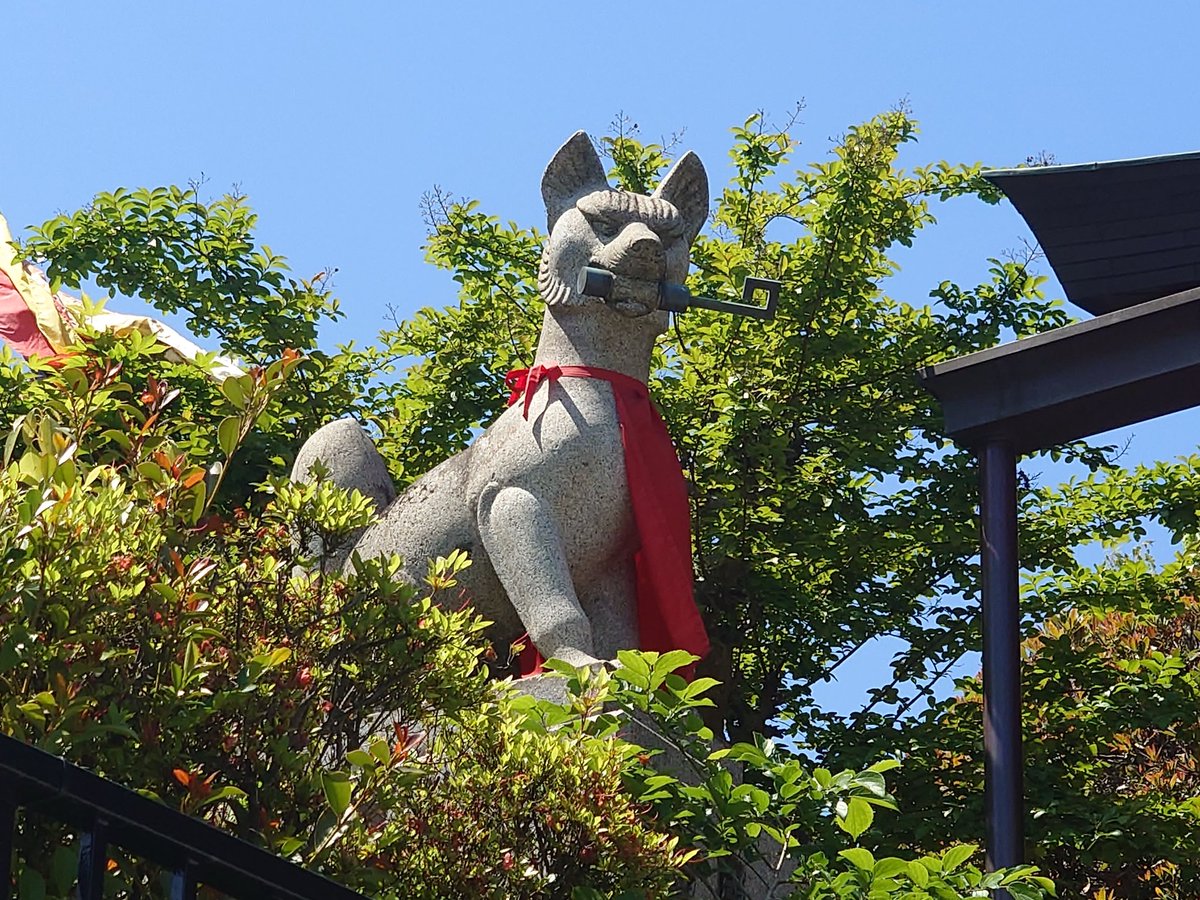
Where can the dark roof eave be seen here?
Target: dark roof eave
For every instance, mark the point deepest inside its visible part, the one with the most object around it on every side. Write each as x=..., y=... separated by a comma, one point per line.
x=1116, y=233
x=1130, y=365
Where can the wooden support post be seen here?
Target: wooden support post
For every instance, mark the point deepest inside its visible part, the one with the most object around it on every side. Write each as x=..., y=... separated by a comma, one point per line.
x=1001, y=656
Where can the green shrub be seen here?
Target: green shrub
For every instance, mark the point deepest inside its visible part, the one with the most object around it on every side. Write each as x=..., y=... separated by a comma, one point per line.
x=201, y=658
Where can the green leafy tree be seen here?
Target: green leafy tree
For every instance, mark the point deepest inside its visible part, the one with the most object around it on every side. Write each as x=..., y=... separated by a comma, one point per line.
x=1111, y=691
x=200, y=260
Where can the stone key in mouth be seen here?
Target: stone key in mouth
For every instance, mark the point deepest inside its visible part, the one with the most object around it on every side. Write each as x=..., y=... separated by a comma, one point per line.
x=597, y=282
x=628, y=294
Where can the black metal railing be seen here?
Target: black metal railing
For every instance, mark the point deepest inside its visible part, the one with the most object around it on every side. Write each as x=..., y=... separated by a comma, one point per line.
x=107, y=814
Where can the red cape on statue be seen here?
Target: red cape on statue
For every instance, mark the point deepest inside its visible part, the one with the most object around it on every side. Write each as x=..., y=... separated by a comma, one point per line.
x=666, y=607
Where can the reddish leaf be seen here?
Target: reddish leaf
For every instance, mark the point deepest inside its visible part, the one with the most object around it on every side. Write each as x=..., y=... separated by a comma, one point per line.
x=194, y=478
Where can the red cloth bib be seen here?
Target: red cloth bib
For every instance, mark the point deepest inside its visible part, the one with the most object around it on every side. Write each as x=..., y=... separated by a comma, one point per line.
x=666, y=607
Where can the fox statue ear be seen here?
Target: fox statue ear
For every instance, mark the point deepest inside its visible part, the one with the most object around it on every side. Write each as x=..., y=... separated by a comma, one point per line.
x=575, y=172
x=686, y=188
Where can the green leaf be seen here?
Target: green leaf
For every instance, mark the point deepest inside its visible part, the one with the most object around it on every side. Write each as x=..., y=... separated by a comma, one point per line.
x=956, y=856
x=10, y=442
x=165, y=591
x=33, y=712
x=228, y=433
x=560, y=667
x=1016, y=873
x=31, y=885
x=918, y=873
x=362, y=759
x=235, y=390
x=278, y=657
x=151, y=471
x=63, y=865
x=698, y=686
x=889, y=867
x=289, y=845
x=872, y=782
x=120, y=438
x=671, y=661
x=859, y=857
x=633, y=661
x=338, y=788
x=756, y=795
x=380, y=750
x=228, y=792
x=855, y=816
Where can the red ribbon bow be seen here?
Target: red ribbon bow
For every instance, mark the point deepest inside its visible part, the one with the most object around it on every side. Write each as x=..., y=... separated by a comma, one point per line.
x=526, y=381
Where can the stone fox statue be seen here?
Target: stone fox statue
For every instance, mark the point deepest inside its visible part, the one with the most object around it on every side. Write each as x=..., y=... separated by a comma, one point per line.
x=542, y=500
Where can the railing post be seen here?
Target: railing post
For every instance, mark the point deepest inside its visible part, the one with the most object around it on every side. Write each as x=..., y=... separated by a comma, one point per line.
x=8, y=827
x=1001, y=656
x=183, y=883
x=93, y=861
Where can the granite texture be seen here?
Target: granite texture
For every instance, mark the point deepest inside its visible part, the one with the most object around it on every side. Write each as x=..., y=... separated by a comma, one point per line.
x=351, y=461
x=541, y=503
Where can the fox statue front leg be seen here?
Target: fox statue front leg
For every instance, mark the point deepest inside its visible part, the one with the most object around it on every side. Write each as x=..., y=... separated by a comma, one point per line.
x=527, y=553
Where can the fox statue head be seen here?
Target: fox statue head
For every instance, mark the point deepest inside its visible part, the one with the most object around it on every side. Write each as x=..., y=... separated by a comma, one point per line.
x=642, y=240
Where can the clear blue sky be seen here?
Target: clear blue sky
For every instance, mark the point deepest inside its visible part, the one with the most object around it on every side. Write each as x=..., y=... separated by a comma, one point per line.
x=335, y=118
